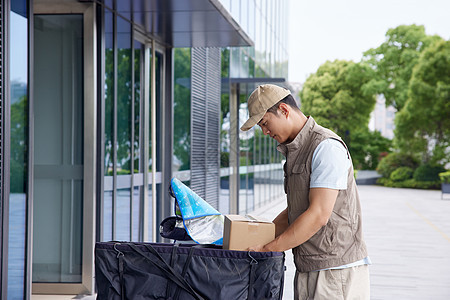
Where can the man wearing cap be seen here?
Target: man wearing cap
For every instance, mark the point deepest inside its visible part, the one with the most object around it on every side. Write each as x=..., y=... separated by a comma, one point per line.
x=322, y=221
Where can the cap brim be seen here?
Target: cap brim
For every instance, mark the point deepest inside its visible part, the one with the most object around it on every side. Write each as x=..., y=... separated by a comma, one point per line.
x=252, y=121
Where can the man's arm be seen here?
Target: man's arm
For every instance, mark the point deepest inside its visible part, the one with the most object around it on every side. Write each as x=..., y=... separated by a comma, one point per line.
x=281, y=222
x=321, y=205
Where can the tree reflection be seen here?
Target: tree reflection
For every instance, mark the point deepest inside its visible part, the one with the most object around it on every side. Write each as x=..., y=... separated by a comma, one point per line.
x=19, y=149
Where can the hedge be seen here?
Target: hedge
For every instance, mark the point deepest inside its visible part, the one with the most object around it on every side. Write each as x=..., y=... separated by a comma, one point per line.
x=410, y=183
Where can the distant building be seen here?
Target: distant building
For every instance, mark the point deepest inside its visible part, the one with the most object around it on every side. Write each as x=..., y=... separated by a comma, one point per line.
x=382, y=118
x=295, y=88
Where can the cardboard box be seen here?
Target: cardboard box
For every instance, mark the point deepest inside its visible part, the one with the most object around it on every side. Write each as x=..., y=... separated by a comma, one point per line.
x=241, y=232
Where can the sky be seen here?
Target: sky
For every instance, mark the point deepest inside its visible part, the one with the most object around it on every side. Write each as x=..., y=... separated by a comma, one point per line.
x=322, y=30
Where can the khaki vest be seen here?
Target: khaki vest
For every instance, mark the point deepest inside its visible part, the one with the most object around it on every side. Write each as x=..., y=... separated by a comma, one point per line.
x=340, y=241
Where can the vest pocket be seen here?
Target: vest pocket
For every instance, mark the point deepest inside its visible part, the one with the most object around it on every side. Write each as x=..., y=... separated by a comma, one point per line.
x=299, y=178
x=323, y=242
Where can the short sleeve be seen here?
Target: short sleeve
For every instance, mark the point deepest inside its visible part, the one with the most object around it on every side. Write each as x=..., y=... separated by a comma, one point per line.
x=329, y=166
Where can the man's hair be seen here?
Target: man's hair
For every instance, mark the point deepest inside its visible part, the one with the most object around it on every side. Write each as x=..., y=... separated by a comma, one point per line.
x=289, y=100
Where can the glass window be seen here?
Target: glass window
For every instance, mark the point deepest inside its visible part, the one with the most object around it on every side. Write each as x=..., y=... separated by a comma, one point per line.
x=139, y=51
x=226, y=4
x=138, y=61
x=124, y=8
x=235, y=58
x=124, y=93
x=109, y=127
x=236, y=10
x=224, y=195
x=158, y=71
x=246, y=140
x=159, y=104
x=153, y=194
x=123, y=215
x=124, y=125
x=244, y=15
x=19, y=145
x=251, y=19
x=182, y=109
x=135, y=236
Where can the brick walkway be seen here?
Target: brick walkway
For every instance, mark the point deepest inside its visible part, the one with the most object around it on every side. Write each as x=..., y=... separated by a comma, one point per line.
x=407, y=233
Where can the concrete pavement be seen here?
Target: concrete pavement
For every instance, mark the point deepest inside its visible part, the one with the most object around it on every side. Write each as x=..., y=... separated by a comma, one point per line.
x=407, y=232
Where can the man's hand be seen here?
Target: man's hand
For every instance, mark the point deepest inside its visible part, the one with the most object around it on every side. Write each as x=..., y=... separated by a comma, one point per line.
x=258, y=248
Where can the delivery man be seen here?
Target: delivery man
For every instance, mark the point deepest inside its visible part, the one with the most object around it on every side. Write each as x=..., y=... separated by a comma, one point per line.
x=322, y=221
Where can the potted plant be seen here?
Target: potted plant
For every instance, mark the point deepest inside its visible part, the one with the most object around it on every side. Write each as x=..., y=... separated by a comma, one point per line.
x=445, y=183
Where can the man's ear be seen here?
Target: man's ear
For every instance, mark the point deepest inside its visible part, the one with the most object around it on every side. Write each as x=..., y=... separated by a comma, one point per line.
x=284, y=108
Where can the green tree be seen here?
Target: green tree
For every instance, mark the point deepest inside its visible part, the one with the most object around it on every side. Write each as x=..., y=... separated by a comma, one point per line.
x=338, y=97
x=423, y=125
x=395, y=59
x=366, y=147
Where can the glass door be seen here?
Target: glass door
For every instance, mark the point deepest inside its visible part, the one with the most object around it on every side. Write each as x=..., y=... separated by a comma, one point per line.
x=127, y=208
x=63, y=149
x=58, y=148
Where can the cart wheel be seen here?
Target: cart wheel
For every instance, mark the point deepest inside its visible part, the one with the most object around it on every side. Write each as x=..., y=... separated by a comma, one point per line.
x=171, y=193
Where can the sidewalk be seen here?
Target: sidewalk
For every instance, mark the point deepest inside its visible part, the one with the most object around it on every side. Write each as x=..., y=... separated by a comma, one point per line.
x=407, y=232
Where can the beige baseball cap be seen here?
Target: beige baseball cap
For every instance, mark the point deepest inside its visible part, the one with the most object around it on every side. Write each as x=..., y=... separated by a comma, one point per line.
x=262, y=98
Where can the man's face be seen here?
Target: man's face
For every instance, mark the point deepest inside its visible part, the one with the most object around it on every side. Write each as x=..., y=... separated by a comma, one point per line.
x=275, y=125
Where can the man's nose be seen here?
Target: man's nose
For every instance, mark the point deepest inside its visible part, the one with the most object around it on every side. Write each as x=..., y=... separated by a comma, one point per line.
x=266, y=131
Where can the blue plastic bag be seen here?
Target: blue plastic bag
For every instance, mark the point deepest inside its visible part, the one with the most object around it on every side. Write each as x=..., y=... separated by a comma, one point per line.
x=202, y=222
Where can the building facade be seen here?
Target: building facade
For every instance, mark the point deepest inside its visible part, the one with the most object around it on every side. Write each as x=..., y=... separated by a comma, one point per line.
x=382, y=118
x=103, y=102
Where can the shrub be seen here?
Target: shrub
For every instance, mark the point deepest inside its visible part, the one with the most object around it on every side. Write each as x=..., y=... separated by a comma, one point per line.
x=366, y=147
x=445, y=177
x=410, y=183
x=395, y=160
x=402, y=174
x=428, y=172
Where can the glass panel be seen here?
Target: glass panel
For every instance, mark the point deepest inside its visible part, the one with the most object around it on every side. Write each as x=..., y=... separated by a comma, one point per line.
x=224, y=193
x=107, y=216
x=250, y=192
x=58, y=148
x=109, y=128
x=150, y=213
x=159, y=108
x=267, y=144
x=125, y=122
x=244, y=147
x=235, y=58
x=251, y=19
x=258, y=175
x=123, y=215
x=244, y=15
x=236, y=10
x=136, y=209
x=138, y=135
x=109, y=93
x=158, y=83
x=124, y=8
x=158, y=71
x=124, y=98
x=138, y=60
x=226, y=4
x=182, y=110
x=19, y=144
x=109, y=3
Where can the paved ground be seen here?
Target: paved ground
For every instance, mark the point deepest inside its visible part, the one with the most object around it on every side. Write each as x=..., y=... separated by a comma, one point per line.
x=408, y=236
